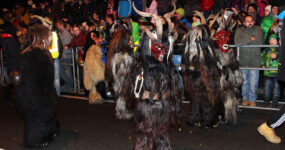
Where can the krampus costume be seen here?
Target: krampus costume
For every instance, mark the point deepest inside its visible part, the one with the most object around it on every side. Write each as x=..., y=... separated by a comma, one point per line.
x=155, y=86
x=231, y=76
x=201, y=77
x=211, y=69
x=119, y=62
x=35, y=94
x=94, y=70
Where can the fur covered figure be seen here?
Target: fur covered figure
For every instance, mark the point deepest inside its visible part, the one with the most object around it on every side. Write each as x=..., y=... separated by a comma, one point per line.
x=35, y=95
x=94, y=70
x=119, y=62
x=155, y=86
x=201, y=77
x=154, y=109
x=231, y=76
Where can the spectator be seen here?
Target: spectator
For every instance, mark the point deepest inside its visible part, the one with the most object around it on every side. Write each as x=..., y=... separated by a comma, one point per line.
x=65, y=71
x=179, y=15
x=111, y=9
x=152, y=8
x=125, y=7
x=274, y=11
x=249, y=34
x=206, y=7
x=110, y=27
x=78, y=39
x=196, y=21
x=261, y=5
x=252, y=11
x=11, y=48
x=88, y=26
x=266, y=24
x=269, y=59
x=267, y=10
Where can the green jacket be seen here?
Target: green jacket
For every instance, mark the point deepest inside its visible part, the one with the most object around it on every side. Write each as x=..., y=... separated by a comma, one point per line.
x=268, y=62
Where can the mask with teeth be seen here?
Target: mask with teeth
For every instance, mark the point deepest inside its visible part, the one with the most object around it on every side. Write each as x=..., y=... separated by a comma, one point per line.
x=223, y=38
x=158, y=51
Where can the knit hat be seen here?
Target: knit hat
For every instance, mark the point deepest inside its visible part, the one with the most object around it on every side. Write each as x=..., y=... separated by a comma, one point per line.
x=268, y=7
x=180, y=11
x=273, y=36
x=195, y=24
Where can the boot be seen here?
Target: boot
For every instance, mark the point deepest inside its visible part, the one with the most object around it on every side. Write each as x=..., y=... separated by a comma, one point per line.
x=275, y=101
x=268, y=133
x=266, y=102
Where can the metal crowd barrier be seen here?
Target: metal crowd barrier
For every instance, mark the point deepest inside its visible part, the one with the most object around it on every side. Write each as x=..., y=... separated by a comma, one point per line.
x=72, y=64
x=253, y=46
x=77, y=70
x=251, y=68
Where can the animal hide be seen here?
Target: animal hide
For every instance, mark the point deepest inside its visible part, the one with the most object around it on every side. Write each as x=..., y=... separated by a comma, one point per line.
x=93, y=72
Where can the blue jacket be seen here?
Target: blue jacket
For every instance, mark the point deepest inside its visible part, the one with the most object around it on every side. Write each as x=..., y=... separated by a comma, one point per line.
x=185, y=20
x=281, y=15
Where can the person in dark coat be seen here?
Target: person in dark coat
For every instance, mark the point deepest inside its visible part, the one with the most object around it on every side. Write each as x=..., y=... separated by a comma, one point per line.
x=11, y=49
x=35, y=94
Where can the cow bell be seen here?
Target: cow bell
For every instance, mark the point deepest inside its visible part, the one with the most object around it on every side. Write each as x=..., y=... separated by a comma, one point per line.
x=15, y=77
x=80, y=61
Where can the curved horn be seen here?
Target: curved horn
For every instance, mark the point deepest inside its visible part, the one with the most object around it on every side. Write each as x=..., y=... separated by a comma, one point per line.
x=167, y=16
x=229, y=21
x=149, y=34
x=157, y=19
x=215, y=19
x=43, y=20
x=198, y=13
x=144, y=14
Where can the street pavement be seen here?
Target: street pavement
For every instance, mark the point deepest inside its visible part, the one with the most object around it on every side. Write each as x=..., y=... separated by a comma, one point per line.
x=94, y=127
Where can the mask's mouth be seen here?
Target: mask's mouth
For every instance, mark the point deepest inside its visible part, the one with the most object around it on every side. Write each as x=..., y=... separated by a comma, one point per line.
x=225, y=46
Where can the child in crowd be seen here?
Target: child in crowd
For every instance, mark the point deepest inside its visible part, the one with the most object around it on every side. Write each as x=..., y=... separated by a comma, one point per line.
x=196, y=21
x=269, y=59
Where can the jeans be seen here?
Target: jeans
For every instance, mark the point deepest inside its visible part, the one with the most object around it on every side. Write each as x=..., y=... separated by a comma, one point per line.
x=57, y=76
x=271, y=83
x=66, y=69
x=250, y=84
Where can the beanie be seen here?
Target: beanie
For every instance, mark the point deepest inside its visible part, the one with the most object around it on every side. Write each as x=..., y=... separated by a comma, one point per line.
x=180, y=11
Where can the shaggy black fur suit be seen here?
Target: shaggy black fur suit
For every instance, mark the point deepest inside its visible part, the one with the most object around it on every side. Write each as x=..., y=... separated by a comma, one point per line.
x=35, y=97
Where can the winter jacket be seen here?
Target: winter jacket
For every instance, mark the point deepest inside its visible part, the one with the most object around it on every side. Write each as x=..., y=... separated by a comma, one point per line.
x=11, y=49
x=125, y=7
x=78, y=41
x=268, y=62
x=206, y=5
x=249, y=57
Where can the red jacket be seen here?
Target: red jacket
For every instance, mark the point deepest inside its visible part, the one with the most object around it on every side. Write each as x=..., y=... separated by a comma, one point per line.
x=206, y=5
x=78, y=41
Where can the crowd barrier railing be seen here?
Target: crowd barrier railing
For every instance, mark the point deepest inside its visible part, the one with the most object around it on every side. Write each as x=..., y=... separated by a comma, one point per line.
x=78, y=87
x=253, y=46
x=75, y=69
